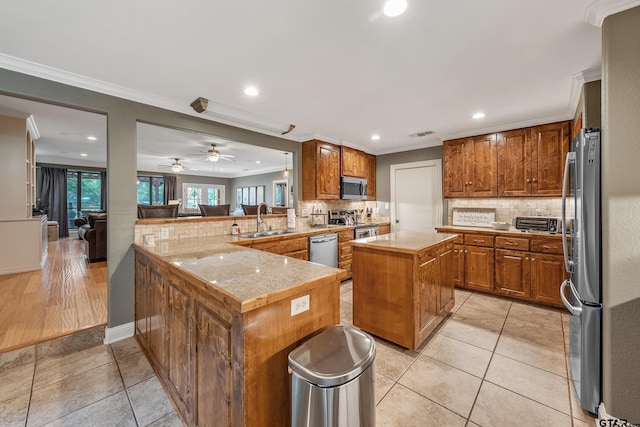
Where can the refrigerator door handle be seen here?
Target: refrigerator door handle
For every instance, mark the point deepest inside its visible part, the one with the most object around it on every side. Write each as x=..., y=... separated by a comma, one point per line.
x=576, y=311
x=571, y=158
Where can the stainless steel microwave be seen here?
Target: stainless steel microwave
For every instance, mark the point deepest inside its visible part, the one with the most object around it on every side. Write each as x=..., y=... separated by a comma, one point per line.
x=353, y=188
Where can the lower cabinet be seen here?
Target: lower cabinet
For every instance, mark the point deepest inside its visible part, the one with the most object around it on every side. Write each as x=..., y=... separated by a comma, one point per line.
x=344, y=251
x=295, y=247
x=521, y=267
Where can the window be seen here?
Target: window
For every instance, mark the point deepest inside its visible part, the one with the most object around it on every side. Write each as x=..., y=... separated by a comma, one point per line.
x=249, y=195
x=84, y=193
x=150, y=190
x=201, y=194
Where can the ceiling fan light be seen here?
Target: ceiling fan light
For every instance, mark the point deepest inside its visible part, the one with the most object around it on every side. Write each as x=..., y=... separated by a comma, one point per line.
x=395, y=7
x=213, y=156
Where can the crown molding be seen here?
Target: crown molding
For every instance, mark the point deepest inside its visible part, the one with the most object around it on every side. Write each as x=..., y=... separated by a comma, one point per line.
x=597, y=11
x=578, y=80
x=216, y=112
x=33, y=128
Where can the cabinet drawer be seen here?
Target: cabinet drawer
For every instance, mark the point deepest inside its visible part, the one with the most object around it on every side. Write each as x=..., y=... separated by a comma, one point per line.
x=303, y=254
x=546, y=246
x=282, y=246
x=345, y=235
x=459, y=240
x=345, y=249
x=514, y=243
x=478, y=240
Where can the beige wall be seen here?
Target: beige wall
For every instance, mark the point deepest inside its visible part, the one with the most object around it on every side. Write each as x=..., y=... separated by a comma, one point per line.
x=621, y=214
x=590, y=105
x=13, y=146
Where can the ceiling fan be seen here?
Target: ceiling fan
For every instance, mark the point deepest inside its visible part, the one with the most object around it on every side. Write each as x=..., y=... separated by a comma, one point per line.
x=176, y=166
x=214, y=155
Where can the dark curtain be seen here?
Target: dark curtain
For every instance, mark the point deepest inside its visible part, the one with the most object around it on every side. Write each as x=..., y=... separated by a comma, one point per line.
x=53, y=197
x=170, y=183
x=103, y=190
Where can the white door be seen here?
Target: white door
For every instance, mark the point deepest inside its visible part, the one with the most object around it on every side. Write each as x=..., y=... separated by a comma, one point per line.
x=416, y=196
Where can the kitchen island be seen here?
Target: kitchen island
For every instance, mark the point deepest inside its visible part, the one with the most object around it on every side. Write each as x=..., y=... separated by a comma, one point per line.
x=402, y=285
x=218, y=320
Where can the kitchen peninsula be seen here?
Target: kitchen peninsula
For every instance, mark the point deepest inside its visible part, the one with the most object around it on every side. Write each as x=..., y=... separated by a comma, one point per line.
x=402, y=284
x=217, y=320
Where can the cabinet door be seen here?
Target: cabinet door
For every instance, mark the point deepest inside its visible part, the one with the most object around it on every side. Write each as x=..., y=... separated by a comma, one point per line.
x=446, y=262
x=514, y=163
x=478, y=267
x=480, y=166
x=354, y=162
x=328, y=172
x=180, y=346
x=371, y=176
x=428, y=306
x=547, y=274
x=453, y=168
x=320, y=171
x=458, y=265
x=550, y=146
x=213, y=376
x=141, y=293
x=157, y=303
x=513, y=273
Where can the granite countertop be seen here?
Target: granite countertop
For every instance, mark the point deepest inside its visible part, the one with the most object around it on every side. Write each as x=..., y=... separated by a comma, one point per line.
x=404, y=241
x=512, y=231
x=249, y=277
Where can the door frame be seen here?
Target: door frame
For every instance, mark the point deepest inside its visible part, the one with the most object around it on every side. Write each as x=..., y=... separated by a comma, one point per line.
x=437, y=163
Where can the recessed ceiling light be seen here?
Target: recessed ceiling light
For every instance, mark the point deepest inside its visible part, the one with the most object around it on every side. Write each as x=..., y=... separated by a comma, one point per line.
x=84, y=154
x=257, y=161
x=251, y=91
x=375, y=137
x=92, y=138
x=478, y=116
x=395, y=7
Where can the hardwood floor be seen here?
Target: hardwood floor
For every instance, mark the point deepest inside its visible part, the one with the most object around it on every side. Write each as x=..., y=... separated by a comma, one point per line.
x=66, y=296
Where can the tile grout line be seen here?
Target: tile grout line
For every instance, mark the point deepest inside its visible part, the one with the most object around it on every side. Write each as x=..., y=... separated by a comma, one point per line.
x=124, y=387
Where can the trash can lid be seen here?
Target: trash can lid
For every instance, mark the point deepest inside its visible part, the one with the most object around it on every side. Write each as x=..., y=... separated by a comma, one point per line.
x=333, y=357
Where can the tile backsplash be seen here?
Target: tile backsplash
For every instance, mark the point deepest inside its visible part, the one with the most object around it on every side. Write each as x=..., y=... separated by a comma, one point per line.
x=507, y=209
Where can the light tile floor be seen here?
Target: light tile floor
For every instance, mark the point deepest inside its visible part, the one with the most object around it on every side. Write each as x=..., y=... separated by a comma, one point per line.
x=492, y=362
x=78, y=381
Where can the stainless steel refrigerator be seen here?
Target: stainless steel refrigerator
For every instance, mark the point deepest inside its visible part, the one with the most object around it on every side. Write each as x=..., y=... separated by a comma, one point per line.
x=581, y=293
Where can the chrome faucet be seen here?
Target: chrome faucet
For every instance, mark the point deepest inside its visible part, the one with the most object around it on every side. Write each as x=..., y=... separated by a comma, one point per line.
x=259, y=219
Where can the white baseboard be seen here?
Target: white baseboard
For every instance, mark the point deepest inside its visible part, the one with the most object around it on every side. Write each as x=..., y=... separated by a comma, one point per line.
x=118, y=333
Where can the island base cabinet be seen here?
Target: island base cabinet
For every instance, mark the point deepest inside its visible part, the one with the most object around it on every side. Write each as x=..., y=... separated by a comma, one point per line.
x=402, y=297
x=222, y=366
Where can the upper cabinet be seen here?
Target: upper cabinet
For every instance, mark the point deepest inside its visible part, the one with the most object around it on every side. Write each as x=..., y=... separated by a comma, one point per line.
x=470, y=167
x=323, y=164
x=354, y=162
x=531, y=160
x=371, y=176
x=320, y=170
x=520, y=162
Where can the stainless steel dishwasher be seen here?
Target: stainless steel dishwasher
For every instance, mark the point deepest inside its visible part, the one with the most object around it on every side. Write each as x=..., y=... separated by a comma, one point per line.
x=323, y=249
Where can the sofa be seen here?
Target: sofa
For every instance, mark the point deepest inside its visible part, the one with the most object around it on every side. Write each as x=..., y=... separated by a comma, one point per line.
x=83, y=219
x=94, y=234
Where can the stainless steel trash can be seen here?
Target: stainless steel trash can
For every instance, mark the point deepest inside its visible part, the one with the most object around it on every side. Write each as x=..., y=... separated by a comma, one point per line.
x=332, y=381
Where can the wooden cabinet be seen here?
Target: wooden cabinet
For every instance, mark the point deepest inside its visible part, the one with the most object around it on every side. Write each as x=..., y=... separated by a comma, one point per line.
x=320, y=171
x=354, y=162
x=384, y=228
x=531, y=160
x=371, y=176
x=344, y=251
x=519, y=162
x=402, y=296
x=530, y=268
x=469, y=167
x=295, y=247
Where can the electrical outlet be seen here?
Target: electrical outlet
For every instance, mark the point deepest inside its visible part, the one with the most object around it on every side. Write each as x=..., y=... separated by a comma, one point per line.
x=304, y=213
x=386, y=205
x=299, y=305
x=164, y=233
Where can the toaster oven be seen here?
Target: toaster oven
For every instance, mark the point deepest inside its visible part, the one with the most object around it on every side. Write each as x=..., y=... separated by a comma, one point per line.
x=538, y=223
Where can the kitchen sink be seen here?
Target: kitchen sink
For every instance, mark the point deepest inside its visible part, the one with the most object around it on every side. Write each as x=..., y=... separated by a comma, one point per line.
x=266, y=233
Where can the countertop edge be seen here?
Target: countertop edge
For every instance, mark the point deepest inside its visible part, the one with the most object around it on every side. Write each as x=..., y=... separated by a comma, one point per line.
x=366, y=244
x=491, y=231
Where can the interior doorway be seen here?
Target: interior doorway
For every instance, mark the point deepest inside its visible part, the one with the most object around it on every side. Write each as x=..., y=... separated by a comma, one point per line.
x=416, y=196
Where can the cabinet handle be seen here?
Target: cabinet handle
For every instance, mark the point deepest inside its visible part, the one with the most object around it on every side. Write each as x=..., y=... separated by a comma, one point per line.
x=466, y=251
x=470, y=182
x=528, y=180
x=478, y=241
x=527, y=258
x=534, y=180
x=510, y=243
x=546, y=247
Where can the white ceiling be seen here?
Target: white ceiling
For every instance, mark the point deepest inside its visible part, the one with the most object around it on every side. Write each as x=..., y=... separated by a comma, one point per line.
x=338, y=70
